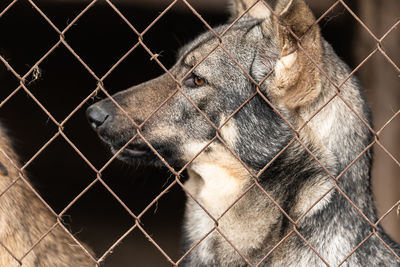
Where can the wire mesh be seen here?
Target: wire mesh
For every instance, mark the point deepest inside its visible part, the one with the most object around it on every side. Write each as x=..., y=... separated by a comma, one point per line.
x=62, y=41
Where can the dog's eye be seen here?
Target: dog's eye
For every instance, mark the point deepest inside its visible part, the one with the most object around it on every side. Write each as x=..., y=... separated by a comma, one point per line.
x=194, y=81
x=199, y=81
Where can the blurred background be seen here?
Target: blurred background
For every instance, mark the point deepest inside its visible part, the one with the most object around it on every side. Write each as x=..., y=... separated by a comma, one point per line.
x=101, y=38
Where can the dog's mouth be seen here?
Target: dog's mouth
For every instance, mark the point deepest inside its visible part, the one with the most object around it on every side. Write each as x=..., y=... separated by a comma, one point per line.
x=131, y=151
x=136, y=150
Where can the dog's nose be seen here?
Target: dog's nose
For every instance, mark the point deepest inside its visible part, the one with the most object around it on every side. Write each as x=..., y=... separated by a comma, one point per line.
x=97, y=116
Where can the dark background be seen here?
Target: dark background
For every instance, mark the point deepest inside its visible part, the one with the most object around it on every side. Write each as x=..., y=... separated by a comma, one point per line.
x=101, y=38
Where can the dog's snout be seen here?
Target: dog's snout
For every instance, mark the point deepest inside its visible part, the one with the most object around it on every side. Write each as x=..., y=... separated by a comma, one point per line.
x=97, y=116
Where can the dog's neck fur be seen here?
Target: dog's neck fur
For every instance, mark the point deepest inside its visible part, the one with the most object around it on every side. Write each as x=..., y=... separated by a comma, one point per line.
x=247, y=231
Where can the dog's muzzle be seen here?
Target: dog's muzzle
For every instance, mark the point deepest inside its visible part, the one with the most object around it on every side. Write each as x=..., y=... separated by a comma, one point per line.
x=100, y=117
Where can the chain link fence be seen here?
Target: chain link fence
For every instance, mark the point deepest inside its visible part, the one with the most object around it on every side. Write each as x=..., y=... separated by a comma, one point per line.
x=34, y=72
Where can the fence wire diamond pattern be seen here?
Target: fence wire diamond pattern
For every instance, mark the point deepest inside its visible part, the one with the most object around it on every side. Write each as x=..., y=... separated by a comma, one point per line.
x=141, y=42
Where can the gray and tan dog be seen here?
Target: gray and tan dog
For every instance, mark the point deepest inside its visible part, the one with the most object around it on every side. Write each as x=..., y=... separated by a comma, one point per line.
x=262, y=44
x=24, y=220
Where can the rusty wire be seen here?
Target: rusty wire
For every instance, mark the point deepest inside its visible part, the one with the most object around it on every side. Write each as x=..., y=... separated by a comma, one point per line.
x=177, y=173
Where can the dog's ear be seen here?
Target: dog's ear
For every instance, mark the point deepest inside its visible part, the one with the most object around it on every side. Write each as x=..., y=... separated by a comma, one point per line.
x=258, y=10
x=297, y=79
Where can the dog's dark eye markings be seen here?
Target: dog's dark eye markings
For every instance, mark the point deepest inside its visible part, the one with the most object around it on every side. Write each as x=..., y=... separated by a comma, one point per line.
x=194, y=81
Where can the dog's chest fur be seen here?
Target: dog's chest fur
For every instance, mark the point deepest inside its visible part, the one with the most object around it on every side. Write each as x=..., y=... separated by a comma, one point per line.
x=216, y=188
x=250, y=224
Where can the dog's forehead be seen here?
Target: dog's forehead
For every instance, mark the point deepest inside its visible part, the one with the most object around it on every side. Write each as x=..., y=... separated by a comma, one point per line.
x=227, y=32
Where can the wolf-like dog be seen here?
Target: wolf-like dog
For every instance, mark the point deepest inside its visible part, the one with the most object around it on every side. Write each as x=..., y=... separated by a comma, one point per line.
x=298, y=210
x=24, y=220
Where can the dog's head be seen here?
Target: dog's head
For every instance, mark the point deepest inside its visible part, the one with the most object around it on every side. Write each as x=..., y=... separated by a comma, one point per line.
x=254, y=61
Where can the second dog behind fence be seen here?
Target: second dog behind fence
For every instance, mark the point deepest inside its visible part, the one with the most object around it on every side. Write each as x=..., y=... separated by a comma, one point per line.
x=30, y=234
x=279, y=170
